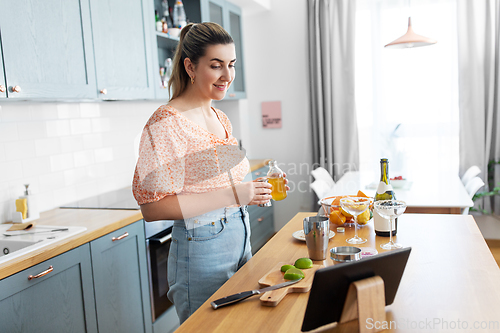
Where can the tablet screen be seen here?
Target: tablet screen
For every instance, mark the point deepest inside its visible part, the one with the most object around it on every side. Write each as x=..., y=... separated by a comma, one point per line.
x=330, y=285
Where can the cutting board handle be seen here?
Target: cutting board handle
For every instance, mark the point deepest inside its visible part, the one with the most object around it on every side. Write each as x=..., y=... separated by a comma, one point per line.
x=365, y=299
x=273, y=297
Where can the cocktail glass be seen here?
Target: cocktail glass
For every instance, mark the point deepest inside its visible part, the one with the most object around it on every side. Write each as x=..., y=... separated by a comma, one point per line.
x=390, y=210
x=355, y=206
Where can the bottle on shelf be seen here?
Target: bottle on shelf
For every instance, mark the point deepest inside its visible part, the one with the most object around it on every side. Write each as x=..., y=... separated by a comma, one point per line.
x=384, y=192
x=164, y=80
x=275, y=177
x=166, y=13
x=159, y=24
x=179, y=15
x=168, y=68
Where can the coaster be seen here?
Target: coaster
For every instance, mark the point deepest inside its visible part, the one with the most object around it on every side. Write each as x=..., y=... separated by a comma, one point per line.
x=368, y=251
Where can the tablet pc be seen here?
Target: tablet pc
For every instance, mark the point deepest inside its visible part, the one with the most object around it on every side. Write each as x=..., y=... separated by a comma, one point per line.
x=330, y=285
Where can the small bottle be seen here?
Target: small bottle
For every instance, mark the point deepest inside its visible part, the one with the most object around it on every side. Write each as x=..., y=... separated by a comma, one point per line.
x=384, y=192
x=159, y=23
x=166, y=13
x=179, y=15
x=275, y=177
x=162, y=77
x=33, y=213
x=168, y=68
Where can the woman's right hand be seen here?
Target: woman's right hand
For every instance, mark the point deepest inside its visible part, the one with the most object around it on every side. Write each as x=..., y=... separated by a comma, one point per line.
x=254, y=192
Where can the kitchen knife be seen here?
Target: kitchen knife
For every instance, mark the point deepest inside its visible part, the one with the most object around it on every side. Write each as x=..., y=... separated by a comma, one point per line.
x=244, y=295
x=35, y=232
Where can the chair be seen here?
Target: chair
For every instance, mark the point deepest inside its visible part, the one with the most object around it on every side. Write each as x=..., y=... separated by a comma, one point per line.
x=320, y=187
x=472, y=172
x=321, y=173
x=472, y=186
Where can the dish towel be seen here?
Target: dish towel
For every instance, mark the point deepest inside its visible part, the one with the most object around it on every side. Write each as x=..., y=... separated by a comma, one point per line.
x=21, y=226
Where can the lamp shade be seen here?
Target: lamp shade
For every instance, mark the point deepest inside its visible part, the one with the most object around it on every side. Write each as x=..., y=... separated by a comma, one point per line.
x=410, y=39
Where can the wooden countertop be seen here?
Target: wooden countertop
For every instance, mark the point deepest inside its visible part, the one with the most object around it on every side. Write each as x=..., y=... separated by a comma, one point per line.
x=450, y=276
x=257, y=164
x=98, y=222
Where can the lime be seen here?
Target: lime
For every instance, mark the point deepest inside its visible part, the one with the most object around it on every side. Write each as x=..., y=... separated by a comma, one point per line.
x=303, y=263
x=293, y=274
x=284, y=268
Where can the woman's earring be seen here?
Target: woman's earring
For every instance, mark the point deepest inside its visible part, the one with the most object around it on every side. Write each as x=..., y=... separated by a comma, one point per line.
x=192, y=80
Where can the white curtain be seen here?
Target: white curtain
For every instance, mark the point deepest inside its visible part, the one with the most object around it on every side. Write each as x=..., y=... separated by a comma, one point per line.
x=331, y=67
x=407, y=99
x=479, y=68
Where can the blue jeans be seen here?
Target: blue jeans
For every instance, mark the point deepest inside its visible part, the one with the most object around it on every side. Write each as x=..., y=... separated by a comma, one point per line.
x=202, y=259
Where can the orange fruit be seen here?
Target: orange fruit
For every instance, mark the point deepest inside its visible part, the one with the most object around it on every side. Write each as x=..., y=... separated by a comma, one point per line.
x=336, y=201
x=336, y=217
x=361, y=194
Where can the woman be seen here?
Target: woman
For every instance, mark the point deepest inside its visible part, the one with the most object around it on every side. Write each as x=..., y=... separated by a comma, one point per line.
x=190, y=170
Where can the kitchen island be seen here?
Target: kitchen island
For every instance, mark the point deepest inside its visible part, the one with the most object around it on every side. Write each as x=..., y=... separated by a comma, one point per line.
x=451, y=281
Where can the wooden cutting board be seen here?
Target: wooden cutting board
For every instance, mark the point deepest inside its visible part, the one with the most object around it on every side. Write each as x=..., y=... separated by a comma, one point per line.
x=275, y=276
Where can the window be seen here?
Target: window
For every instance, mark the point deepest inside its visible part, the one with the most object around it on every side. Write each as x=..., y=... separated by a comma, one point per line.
x=407, y=99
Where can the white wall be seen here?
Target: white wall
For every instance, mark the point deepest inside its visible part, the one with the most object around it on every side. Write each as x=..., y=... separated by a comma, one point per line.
x=67, y=151
x=276, y=63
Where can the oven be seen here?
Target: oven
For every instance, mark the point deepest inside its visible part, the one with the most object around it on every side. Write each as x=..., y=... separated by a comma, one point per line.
x=158, y=239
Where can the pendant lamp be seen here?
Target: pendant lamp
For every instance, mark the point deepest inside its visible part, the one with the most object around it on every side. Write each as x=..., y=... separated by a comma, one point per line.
x=410, y=39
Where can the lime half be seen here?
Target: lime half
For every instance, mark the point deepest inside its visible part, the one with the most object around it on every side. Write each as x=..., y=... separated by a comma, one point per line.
x=284, y=268
x=293, y=274
x=303, y=263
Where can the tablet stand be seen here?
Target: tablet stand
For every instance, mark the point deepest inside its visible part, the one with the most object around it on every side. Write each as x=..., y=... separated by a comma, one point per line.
x=365, y=299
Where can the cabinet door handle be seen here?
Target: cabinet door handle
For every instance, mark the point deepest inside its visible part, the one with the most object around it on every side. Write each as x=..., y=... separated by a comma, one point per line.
x=16, y=89
x=260, y=219
x=103, y=91
x=50, y=269
x=232, y=95
x=2, y=88
x=119, y=237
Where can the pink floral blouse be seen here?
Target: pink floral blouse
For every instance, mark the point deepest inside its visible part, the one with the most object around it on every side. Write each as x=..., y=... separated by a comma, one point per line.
x=177, y=156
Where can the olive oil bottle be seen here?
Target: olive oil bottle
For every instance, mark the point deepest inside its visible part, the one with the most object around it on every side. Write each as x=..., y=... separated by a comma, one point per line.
x=384, y=192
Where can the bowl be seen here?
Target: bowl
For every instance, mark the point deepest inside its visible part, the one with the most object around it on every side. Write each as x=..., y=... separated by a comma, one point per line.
x=174, y=32
x=399, y=183
x=327, y=205
x=345, y=253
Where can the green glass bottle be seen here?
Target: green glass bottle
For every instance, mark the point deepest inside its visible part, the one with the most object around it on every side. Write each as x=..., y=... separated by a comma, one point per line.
x=384, y=192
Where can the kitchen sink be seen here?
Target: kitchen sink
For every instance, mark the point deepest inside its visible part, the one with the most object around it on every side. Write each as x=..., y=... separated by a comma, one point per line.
x=16, y=243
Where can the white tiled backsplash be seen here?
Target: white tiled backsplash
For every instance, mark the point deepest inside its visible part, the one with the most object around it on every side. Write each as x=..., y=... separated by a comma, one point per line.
x=67, y=151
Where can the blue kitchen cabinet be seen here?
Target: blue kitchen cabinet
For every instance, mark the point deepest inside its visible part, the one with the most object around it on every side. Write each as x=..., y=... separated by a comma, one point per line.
x=228, y=16
x=121, y=281
x=62, y=300
x=234, y=27
x=166, y=46
x=261, y=225
x=219, y=11
x=122, y=48
x=47, y=49
x=261, y=218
